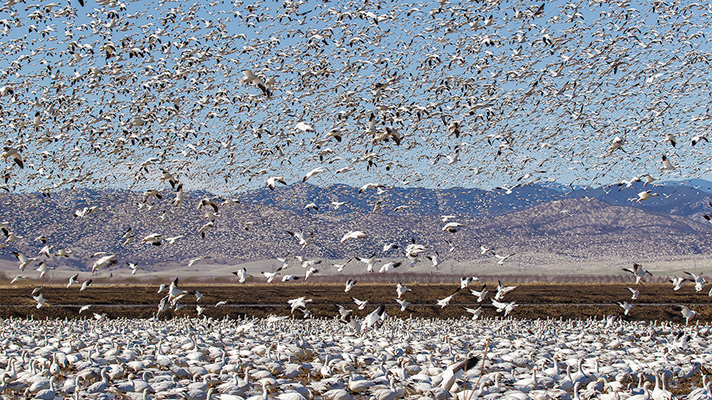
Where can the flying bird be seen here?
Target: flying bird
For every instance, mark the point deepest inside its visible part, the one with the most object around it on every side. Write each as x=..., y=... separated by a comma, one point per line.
x=455, y=371
x=354, y=235
x=638, y=272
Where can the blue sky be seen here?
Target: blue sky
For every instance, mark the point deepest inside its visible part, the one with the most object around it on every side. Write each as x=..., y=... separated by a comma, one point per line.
x=125, y=90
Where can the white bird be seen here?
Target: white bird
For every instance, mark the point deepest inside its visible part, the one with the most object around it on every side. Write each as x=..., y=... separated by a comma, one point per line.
x=85, y=285
x=638, y=271
x=312, y=173
x=452, y=227
x=476, y=312
x=370, y=262
x=250, y=77
x=304, y=240
x=667, y=165
x=466, y=280
x=269, y=275
x=403, y=303
x=455, y=371
x=645, y=195
x=372, y=319
x=687, y=313
x=344, y=312
x=171, y=240
x=304, y=127
x=480, y=294
x=389, y=266
x=354, y=235
x=13, y=154
x=272, y=181
x=24, y=261
x=242, y=275
x=446, y=300
x=502, y=290
x=300, y=302
x=626, y=307
x=698, y=279
x=360, y=303
x=18, y=278
x=401, y=290
x=617, y=143
x=506, y=307
x=349, y=285
x=40, y=300
x=154, y=239
x=340, y=267
x=134, y=267
x=501, y=258
x=105, y=261
x=435, y=260
x=634, y=293
x=677, y=282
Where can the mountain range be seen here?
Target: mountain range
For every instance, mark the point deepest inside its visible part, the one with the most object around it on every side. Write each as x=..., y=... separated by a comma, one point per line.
x=542, y=223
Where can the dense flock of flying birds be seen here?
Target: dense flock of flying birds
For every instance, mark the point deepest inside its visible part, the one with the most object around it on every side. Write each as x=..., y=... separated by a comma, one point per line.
x=227, y=96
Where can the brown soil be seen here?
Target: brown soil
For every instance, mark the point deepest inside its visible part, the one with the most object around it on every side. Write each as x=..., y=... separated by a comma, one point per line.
x=656, y=301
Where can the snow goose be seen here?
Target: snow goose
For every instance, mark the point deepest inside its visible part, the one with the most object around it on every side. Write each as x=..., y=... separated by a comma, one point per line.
x=476, y=312
x=480, y=294
x=626, y=307
x=370, y=262
x=389, y=266
x=645, y=195
x=677, y=282
x=638, y=271
x=403, y=303
x=304, y=240
x=360, y=303
x=24, y=261
x=300, y=302
x=372, y=319
x=634, y=293
x=40, y=300
x=500, y=258
x=502, y=290
x=698, y=279
x=667, y=165
x=313, y=173
x=452, y=227
x=13, y=154
x=354, y=235
x=242, y=275
x=272, y=181
x=349, y=285
x=455, y=370
x=686, y=313
x=446, y=300
x=506, y=307
x=105, y=261
x=401, y=290
x=466, y=280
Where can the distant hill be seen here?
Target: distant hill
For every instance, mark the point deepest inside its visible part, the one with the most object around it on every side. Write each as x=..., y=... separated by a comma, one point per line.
x=543, y=222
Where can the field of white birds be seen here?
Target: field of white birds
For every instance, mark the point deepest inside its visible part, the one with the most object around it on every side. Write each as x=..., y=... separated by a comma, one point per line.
x=412, y=358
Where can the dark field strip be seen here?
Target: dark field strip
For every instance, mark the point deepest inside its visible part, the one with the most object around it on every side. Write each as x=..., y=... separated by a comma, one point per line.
x=655, y=303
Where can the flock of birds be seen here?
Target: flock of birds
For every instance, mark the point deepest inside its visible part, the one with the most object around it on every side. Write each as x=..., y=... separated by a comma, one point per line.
x=231, y=95
x=287, y=359
x=225, y=97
